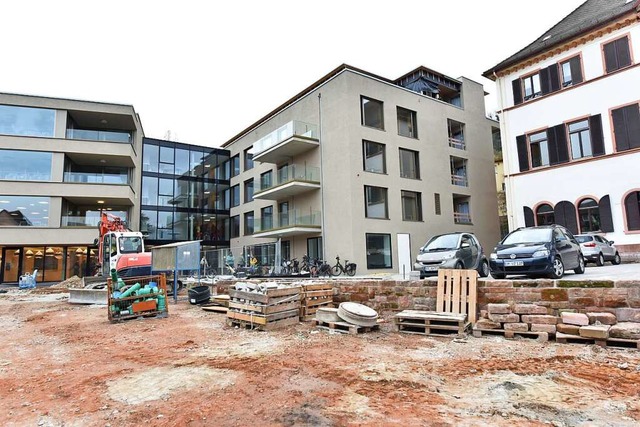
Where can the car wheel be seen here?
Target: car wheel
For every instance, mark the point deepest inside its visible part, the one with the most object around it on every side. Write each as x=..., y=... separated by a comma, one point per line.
x=616, y=259
x=498, y=276
x=580, y=269
x=458, y=266
x=484, y=269
x=557, y=269
x=422, y=276
x=600, y=260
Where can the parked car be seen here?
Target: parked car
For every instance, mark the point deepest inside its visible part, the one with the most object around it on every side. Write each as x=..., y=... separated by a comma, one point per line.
x=537, y=251
x=453, y=250
x=598, y=249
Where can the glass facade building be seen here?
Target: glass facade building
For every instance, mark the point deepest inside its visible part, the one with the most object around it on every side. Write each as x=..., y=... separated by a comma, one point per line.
x=181, y=189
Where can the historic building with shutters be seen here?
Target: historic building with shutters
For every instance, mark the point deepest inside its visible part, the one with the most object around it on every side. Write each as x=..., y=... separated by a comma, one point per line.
x=570, y=124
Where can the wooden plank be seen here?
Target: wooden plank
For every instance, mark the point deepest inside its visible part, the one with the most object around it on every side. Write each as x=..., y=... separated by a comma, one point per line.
x=440, y=292
x=320, y=293
x=451, y=327
x=321, y=287
x=284, y=291
x=431, y=315
x=262, y=319
x=317, y=302
x=344, y=327
x=472, y=302
x=464, y=290
x=456, y=292
x=264, y=299
x=264, y=309
x=216, y=308
x=268, y=327
x=432, y=330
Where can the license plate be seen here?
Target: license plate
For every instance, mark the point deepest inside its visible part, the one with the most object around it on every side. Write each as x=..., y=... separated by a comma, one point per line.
x=430, y=268
x=513, y=263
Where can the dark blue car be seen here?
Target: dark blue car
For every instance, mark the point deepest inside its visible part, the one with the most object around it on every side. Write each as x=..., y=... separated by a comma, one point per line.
x=537, y=251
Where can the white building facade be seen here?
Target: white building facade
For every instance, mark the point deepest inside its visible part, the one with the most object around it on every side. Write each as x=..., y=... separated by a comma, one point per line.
x=570, y=125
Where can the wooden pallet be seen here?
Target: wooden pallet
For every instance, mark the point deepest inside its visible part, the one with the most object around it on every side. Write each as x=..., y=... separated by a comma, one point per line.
x=457, y=292
x=343, y=327
x=148, y=315
x=430, y=323
x=539, y=336
x=267, y=327
x=609, y=342
x=313, y=297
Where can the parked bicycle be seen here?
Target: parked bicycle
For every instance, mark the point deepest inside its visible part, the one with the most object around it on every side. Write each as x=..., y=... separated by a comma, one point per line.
x=322, y=268
x=349, y=268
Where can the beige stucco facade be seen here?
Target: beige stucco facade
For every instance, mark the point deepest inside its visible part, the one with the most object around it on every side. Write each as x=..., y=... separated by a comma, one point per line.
x=334, y=106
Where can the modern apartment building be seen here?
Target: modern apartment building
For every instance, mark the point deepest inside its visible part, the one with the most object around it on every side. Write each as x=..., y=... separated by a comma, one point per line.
x=62, y=162
x=570, y=122
x=182, y=193
x=367, y=168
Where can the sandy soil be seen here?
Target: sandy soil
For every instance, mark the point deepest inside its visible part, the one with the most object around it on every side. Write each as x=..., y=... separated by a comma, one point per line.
x=67, y=365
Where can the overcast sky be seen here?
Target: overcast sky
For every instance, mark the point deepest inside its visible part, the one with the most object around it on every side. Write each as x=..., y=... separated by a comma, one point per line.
x=207, y=70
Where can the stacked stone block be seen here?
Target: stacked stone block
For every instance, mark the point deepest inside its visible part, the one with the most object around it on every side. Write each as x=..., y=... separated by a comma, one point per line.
x=517, y=318
x=597, y=326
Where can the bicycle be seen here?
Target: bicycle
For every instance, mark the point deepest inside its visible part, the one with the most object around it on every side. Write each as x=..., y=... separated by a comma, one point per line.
x=322, y=268
x=349, y=268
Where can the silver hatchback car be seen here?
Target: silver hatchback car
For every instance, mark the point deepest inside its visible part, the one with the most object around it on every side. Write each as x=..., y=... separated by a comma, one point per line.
x=598, y=249
x=453, y=250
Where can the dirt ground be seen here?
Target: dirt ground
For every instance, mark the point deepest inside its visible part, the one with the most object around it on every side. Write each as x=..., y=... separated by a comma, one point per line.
x=62, y=364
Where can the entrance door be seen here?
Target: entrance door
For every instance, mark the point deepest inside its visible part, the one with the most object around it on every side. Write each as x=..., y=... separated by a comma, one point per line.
x=404, y=254
x=10, y=265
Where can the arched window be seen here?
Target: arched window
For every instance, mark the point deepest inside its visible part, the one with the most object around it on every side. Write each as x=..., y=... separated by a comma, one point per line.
x=589, y=214
x=632, y=208
x=545, y=215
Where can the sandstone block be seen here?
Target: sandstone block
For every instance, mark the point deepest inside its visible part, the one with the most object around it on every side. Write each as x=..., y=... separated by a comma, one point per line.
x=603, y=318
x=498, y=308
x=578, y=319
x=516, y=327
x=626, y=330
x=595, y=331
x=487, y=324
x=505, y=318
x=628, y=315
x=529, y=309
x=550, y=329
x=484, y=314
x=540, y=319
x=568, y=329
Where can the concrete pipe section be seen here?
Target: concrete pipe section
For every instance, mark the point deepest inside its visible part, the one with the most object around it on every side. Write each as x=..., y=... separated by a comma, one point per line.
x=358, y=314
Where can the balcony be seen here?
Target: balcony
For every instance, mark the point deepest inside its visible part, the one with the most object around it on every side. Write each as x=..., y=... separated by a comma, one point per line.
x=96, y=178
x=122, y=137
x=456, y=135
x=292, y=223
x=80, y=221
x=288, y=141
x=461, y=211
x=290, y=181
x=461, y=218
x=459, y=172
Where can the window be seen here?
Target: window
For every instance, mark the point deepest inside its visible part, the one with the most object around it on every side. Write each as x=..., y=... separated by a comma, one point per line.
x=571, y=71
x=266, y=180
x=409, y=164
x=266, y=218
x=411, y=206
x=235, y=165
x=531, y=86
x=374, y=157
x=376, y=202
x=235, y=196
x=436, y=200
x=248, y=159
x=456, y=134
x=626, y=127
x=150, y=158
x=165, y=192
x=195, y=163
x=314, y=248
x=234, y=226
x=545, y=215
x=539, y=147
x=182, y=162
x=25, y=165
x=461, y=211
x=283, y=214
x=24, y=211
x=407, y=123
x=149, y=190
x=26, y=121
x=248, y=223
x=248, y=190
x=165, y=226
x=378, y=251
x=459, y=171
x=589, y=214
x=632, y=210
x=371, y=111
x=580, y=139
x=166, y=160
x=617, y=54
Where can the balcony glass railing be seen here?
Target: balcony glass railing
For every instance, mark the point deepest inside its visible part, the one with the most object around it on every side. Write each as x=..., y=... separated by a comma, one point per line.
x=293, y=128
x=100, y=135
x=95, y=178
x=80, y=221
x=289, y=174
x=460, y=180
x=293, y=218
x=461, y=218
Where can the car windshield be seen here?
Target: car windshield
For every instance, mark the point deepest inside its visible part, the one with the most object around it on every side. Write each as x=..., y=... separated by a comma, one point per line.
x=582, y=239
x=530, y=235
x=445, y=242
x=130, y=245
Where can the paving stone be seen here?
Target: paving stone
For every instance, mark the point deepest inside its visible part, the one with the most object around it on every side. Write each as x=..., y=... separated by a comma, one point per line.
x=536, y=327
x=603, y=318
x=516, y=327
x=595, y=331
x=568, y=329
x=575, y=319
x=505, y=318
x=626, y=330
x=529, y=309
x=498, y=308
x=540, y=319
x=488, y=324
x=628, y=314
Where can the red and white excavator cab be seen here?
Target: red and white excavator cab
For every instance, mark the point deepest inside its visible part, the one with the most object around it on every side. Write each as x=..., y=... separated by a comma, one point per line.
x=115, y=241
